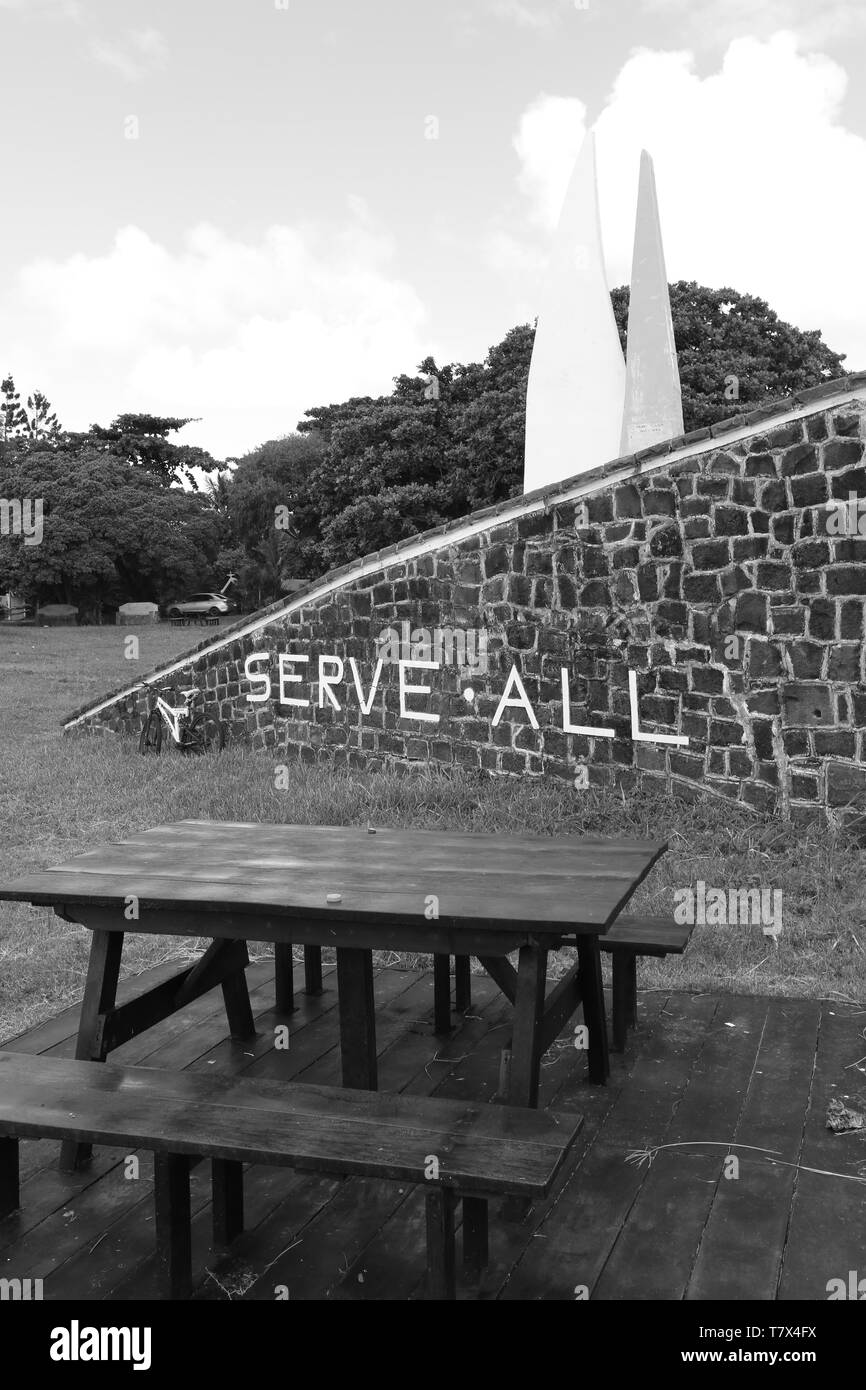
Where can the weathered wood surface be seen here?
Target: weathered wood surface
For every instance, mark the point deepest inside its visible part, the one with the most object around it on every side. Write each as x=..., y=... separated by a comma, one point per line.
x=479, y=1148
x=496, y=882
x=697, y=1069
x=649, y=936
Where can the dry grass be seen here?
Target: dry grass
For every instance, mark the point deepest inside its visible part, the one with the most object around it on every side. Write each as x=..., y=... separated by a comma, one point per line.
x=59, y=797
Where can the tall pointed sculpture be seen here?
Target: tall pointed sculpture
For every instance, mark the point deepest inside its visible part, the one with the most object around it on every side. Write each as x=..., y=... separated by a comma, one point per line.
x=653, y=408
x=574, y=396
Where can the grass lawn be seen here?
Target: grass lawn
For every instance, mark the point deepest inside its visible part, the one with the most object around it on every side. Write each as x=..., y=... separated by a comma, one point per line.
x=59, y=797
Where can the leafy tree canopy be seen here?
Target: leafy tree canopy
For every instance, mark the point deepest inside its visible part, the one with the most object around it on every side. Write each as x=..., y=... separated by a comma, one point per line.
x=734, y=352
x=36, y=420
x=395, y=465
x=110, y=532
x=142, y=440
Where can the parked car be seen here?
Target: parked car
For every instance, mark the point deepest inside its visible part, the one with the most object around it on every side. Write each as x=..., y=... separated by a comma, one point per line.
x=214, y=605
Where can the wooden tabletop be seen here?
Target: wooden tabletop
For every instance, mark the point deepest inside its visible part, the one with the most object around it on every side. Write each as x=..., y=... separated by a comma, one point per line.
x=570, y=882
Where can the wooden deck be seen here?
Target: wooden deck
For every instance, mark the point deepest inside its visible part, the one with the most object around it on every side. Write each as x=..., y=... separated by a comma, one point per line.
x=741, y=1071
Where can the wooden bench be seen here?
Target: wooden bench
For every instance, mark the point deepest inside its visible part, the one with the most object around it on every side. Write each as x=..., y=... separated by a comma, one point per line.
x=480, y=1151
x=628, y=938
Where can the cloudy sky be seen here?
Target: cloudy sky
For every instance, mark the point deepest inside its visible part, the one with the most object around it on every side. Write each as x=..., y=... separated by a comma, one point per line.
x=239, y=209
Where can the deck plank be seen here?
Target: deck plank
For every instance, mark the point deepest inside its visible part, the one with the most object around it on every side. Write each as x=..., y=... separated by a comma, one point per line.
x=681, y=1182
x=580, y=1232
x=740, y=1254
x=675, y=1229
x=825, y=1238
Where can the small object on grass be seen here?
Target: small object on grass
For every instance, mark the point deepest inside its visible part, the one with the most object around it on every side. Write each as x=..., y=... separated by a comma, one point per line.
x=334, y=898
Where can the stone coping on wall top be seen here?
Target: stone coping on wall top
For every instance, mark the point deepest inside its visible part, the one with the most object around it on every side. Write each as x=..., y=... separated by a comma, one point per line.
x=804, y=402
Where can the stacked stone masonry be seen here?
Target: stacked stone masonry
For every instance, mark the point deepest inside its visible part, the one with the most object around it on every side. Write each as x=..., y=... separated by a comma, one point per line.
x=715, y=578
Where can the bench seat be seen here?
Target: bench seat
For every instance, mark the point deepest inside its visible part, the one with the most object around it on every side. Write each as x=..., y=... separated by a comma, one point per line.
x=481, y=1151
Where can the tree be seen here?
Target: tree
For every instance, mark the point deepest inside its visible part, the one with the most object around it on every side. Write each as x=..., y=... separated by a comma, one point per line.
x=398, y=464
x=267, y=489
x=36, y=421
x=110, y=531
x=734, y=352
x=142, y=440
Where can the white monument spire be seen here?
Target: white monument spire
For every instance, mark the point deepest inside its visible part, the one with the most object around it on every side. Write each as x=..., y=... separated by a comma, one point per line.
x=576, y=387
x=653, y=408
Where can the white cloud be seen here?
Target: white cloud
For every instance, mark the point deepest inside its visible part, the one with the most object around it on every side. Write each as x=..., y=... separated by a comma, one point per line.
x=141, y=51
x=248, y=336
x=707, y=23
x=70, y=9
x=548, y=138
x=760, y=185
x=526, y=14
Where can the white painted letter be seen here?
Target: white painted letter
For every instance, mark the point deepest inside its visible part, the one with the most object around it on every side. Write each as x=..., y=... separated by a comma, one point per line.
x=365, y=708
x=405, y=690
x=325, y=682
x=251, y=676
x=287, y=677
x=521, y=702
x=567, y=726
x=635, y=728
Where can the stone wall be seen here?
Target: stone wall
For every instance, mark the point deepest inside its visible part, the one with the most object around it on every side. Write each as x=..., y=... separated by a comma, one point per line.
x=704, y=566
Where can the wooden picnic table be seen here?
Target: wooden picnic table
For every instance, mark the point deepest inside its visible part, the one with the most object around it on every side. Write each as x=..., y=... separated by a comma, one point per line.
x=355, y=890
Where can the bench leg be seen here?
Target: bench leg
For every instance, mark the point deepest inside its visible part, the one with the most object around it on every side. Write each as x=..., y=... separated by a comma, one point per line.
x=100, y=993
x=9, y=1190
x=592, y=994
x=624, y=996
x=284, y=988
x=441, y=1264
x=441, y=995
x=357, y=1017
x=475, y=1244
x=228, y=1199
x=462, y=984
x=313, y=970
x=620, y=1008
x=631, y=991
x=173, y=1232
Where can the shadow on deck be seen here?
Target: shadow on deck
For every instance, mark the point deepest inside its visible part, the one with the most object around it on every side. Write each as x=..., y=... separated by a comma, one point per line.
x=751, y=1073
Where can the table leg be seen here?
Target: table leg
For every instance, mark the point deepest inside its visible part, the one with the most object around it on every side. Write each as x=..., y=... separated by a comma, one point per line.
x=462, y=984
x=10, y=1197
x=592, y=993
x=312, y=970
x=100, y=992
x=236, y=997
x=284, y=988
x=441, y=994
x=357, y=1017
x=528, y=1011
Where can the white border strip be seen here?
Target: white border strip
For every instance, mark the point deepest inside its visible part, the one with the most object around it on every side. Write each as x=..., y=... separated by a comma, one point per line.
x=461, y=533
